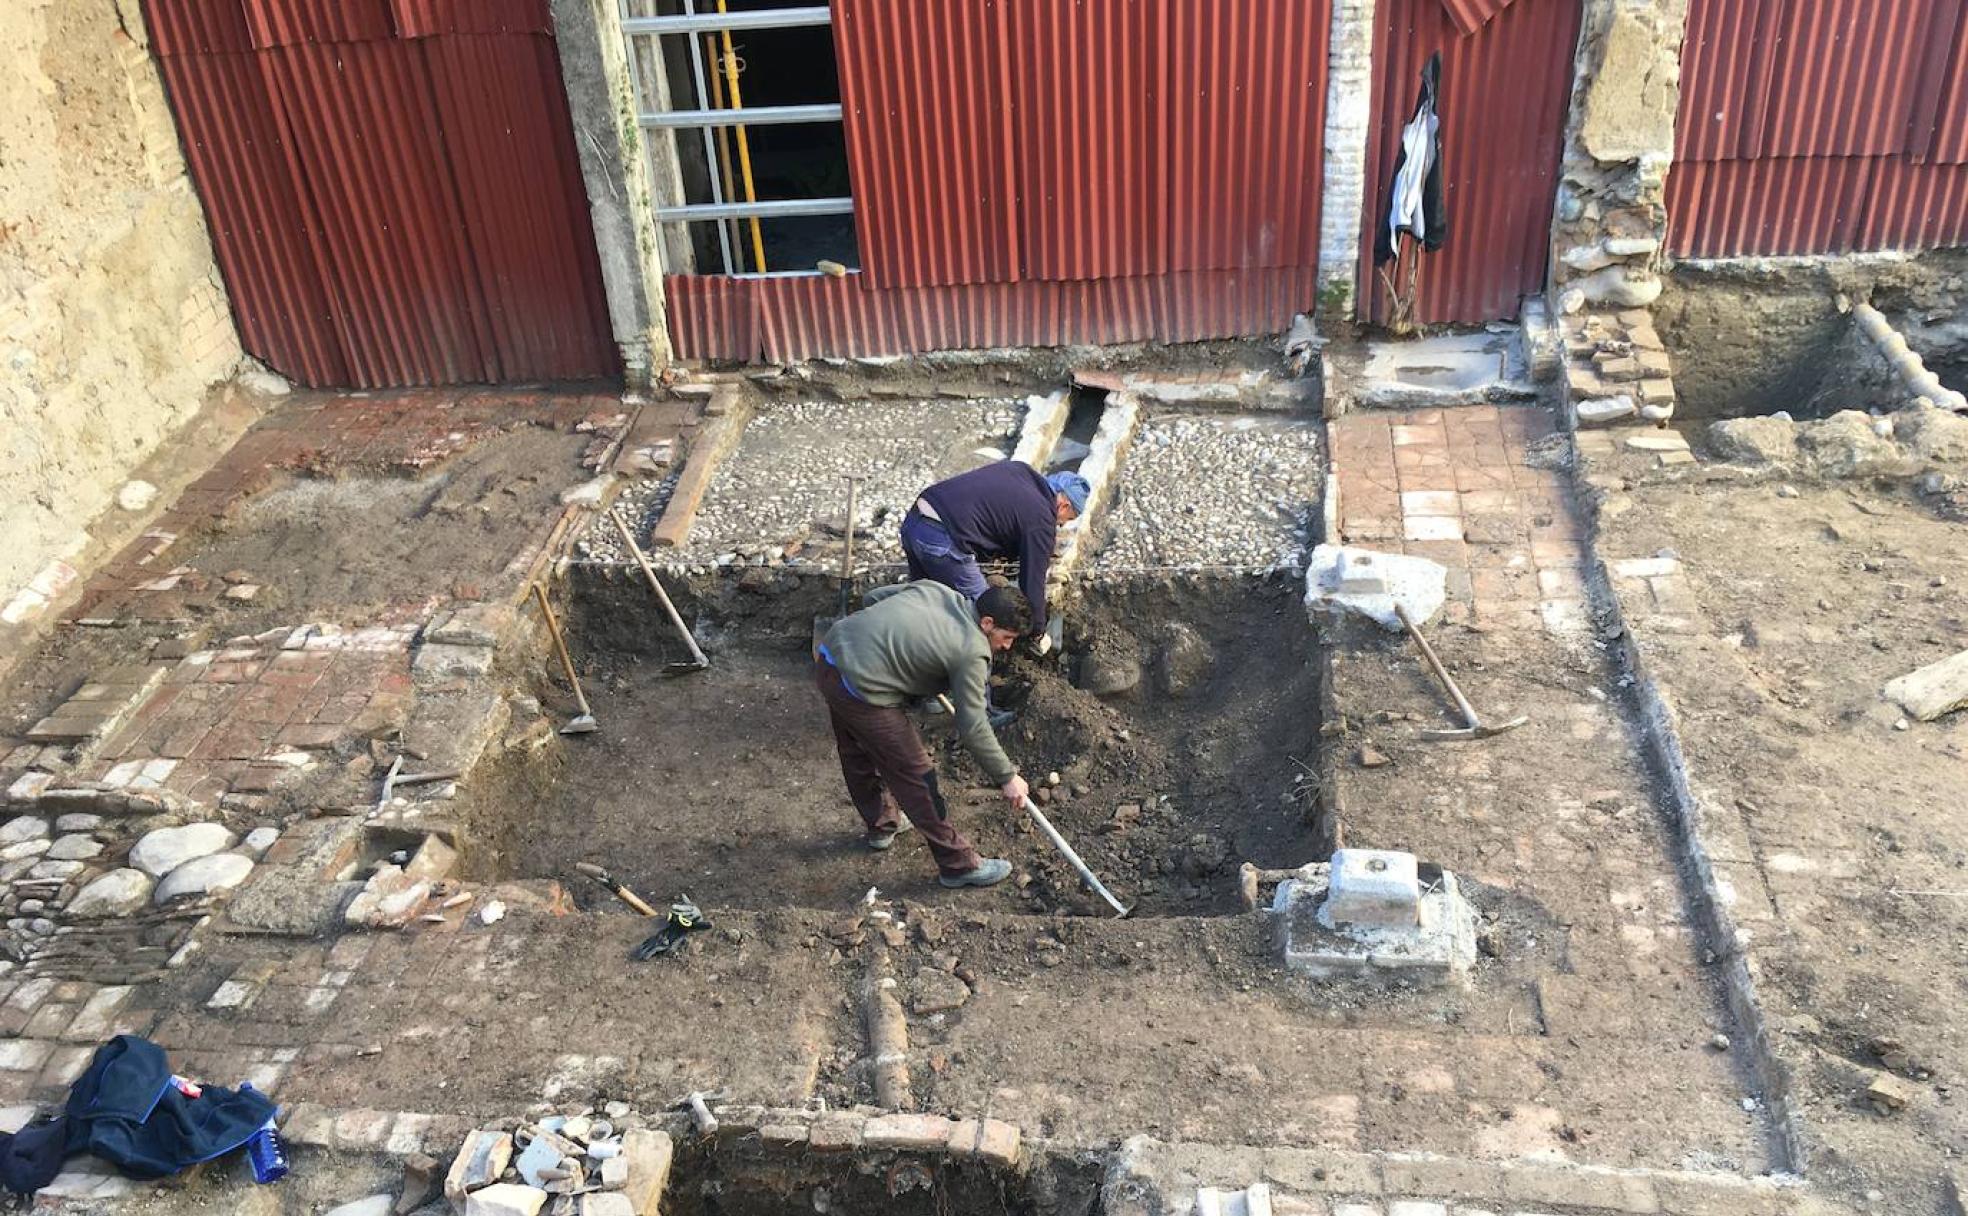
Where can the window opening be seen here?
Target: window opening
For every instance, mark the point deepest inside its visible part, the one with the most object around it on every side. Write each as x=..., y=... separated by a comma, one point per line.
x=739, y=104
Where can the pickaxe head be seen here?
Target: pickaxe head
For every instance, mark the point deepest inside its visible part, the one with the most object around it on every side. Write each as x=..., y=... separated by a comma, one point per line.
x=1482, y=730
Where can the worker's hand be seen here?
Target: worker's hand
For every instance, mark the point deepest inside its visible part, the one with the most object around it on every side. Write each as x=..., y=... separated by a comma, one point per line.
x=1043, y=643
x=1014, y=792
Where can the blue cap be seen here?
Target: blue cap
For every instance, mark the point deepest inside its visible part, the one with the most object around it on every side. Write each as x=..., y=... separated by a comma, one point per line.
x=1074, y=487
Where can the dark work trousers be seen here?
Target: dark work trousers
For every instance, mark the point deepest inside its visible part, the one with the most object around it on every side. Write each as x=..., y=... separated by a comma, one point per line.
x=879, y=748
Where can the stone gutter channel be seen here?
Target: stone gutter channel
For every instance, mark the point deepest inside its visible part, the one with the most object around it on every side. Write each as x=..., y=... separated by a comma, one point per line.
x=1647, y=708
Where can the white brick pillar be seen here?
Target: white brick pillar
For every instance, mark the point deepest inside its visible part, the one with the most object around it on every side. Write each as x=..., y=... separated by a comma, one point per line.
x=1349, y=107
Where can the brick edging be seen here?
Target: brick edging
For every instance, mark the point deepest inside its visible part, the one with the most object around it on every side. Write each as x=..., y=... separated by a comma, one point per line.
x=1660, y=742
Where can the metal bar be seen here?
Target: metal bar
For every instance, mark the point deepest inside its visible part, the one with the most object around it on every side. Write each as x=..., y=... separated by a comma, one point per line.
x=771, y=209
x=694, y=22
x=761, y=116
x=710, y=141
x=730, y=61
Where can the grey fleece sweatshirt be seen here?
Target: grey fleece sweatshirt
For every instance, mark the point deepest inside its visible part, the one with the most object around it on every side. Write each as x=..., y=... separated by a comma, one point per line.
x=915, y=640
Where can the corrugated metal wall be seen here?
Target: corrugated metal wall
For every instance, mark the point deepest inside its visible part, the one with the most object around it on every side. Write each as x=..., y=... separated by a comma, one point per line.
x=392, y=187
x=1030, y=172
x=1506, y=90
x=1821, y=126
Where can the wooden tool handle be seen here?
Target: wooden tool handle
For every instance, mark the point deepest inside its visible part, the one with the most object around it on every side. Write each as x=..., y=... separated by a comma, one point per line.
x=560, y=648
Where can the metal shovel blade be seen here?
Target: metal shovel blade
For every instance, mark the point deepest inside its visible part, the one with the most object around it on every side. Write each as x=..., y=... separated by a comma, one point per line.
x=583, y=724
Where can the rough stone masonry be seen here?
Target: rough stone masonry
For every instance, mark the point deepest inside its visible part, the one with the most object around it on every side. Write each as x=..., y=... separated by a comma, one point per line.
x=112, y=315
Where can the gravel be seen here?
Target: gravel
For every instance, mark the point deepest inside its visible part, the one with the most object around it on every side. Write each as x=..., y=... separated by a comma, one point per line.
x=789, y=473
x=1214, y=491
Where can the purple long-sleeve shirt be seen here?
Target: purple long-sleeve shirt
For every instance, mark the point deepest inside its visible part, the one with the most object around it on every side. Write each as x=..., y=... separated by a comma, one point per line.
x=1003, y=509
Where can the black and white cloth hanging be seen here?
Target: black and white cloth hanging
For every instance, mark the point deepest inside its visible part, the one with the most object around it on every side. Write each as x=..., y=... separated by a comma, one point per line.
x=1415, y=202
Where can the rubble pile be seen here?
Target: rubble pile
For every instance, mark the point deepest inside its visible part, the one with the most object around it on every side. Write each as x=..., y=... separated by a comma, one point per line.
x=1618, y=368
x=1849, y=444
x=577, y=1162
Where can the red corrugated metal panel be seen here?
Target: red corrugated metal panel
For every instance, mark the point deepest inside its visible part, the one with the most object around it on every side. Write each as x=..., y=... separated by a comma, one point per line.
x=925, y=89
x=361, y=120
x=262, y=229
x=422, y=18
x=1505, y=91
x=1247, y=132
x=713, y=317
x=1742, y=208
x=197, y=27
x=1916, y=207
x=1724, y=75
x=532, y=249
x=1838, y=83
x=1091, y=111
x=287, y=22
x=1471, y=15
x=1945, y=140
x=801, y=317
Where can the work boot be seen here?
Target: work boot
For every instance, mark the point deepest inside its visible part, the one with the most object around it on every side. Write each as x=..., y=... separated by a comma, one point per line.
x=881, y=840
x=989, y=873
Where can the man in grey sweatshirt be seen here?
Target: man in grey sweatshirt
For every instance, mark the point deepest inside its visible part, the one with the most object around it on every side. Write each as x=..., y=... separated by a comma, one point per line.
x=911, y=641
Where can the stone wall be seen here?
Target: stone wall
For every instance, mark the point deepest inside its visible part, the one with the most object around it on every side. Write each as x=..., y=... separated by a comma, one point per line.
x=1619, y=142
x=113, y=320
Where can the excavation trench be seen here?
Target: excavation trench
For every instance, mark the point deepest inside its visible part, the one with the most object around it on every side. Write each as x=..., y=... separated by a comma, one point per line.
x=724, y=785
x=747, y=1177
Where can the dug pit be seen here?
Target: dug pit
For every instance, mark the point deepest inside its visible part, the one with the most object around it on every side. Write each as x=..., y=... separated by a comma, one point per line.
x=1170, y=742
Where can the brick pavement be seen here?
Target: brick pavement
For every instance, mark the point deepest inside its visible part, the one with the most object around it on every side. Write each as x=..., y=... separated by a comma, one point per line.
x=326, y=435
x=1453, y=485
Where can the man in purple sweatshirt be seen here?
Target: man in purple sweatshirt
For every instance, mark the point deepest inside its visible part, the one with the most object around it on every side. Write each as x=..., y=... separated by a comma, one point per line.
x=1003, y=509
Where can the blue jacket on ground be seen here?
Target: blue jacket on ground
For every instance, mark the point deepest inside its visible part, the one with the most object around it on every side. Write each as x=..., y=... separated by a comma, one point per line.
x=126, y=1108
x=1003, y=509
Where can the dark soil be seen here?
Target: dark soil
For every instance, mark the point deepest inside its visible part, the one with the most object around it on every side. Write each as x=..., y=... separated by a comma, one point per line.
x=345, y=548
x=355, y=550
x=725, y=784
x=734, y=1179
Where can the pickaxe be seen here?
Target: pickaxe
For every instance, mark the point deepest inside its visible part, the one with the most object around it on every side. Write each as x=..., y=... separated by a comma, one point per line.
x=1477, y=728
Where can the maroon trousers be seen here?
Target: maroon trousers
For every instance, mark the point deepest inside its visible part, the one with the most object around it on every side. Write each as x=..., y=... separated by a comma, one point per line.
x=879, y=748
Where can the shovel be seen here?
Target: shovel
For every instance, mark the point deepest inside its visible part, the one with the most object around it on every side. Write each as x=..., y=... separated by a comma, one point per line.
x=698, y=661
x=821, y=624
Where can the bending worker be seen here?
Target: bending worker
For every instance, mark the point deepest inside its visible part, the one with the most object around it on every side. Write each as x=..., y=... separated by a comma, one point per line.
x=914, y=640
x=1002, y=509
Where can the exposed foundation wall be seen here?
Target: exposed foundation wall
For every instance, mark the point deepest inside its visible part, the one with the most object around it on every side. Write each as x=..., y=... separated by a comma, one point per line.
x=113, y=321
x=1755, y=335
x=1619, y=141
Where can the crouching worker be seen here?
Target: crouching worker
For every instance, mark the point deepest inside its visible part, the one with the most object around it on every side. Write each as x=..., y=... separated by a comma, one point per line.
x=913, y=641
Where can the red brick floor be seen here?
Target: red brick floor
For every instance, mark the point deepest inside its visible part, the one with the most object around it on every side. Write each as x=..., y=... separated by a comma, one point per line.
x=325, y=435
x=1452, y=485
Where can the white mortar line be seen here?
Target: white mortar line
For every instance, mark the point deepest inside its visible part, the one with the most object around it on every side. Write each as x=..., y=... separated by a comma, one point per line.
x=1660, y=743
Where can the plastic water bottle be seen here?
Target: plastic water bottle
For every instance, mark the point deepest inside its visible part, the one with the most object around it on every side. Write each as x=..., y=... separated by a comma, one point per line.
x=265, y=1149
